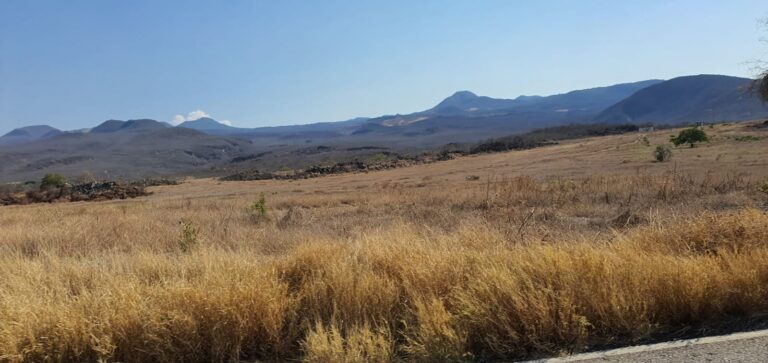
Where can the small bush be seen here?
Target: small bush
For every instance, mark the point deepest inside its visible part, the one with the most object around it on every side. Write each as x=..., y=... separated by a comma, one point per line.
x=53, y=180
x=258, y=210
x=689, y=136
x=747, y=138
x=662, y=153
x=378, y=158
x=189, y=237
x=644, y=140
x=764, y=187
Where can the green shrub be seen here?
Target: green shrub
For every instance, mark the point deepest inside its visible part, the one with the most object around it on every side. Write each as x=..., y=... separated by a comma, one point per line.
x=764, y=187
x=53, y=180
x=378, y=158
x=258, y=210
x=747, y=138
x=690, y=136
x=662, y=153
x=189, y=237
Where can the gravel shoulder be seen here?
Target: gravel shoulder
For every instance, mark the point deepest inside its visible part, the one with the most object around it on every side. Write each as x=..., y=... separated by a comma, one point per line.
x=738, y=347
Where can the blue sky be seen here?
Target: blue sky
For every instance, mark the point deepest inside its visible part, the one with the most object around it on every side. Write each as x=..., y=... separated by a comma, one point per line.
x=74, y=64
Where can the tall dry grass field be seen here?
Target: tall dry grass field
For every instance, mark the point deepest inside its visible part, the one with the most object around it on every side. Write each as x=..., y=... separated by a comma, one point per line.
x=506, y=267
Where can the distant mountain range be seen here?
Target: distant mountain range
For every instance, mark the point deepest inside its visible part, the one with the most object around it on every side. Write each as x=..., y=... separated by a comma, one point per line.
x=119, y=149
x=704, y=98
x=148, y=147
x=464, y=111
x=584, y=101
x=211, y=126
x=28, y=134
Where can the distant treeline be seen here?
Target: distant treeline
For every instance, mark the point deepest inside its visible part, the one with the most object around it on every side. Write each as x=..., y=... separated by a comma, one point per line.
x=545, y=136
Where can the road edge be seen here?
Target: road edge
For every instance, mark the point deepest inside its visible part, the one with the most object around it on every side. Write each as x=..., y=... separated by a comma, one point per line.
x=655, y=347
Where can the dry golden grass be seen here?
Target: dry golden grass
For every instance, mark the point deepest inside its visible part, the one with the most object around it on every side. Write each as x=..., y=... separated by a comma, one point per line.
x=369, y=268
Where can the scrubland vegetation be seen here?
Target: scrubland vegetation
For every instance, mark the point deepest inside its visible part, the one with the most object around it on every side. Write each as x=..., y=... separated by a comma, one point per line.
x=55, y=188
x=549, y=136
x=498, y=268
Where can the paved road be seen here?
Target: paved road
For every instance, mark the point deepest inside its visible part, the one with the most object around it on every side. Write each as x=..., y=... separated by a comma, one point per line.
x=741, y=347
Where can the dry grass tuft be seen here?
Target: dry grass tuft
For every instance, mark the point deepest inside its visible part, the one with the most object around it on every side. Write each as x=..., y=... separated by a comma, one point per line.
x=359, y=344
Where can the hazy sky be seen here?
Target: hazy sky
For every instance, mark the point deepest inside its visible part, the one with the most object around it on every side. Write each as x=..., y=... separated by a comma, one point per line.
x=74, y=64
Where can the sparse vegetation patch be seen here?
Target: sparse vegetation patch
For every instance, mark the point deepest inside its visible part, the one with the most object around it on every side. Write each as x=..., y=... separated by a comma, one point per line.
x=55, y=188
x=549, y=136
x=380, y=161
x=747, y=138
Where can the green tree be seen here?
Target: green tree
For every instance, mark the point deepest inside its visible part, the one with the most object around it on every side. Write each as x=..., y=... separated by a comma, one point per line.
x=690, y=136
x=53, y=180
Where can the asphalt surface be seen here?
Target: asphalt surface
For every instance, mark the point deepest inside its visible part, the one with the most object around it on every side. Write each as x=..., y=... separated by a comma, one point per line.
x=741, y=347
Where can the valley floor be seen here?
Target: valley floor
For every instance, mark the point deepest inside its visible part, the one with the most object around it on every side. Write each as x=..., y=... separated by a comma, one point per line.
x=505, y=256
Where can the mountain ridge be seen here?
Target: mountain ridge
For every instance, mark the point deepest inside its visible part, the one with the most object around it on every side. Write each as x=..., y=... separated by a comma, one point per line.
x=697, y=98
x=29, y=133
x=110, y=126
x=205, y=124
x=597, y=104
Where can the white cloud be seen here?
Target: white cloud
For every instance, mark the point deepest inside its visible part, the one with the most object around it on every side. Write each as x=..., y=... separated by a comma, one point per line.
x=194, y=115
x=178, y=119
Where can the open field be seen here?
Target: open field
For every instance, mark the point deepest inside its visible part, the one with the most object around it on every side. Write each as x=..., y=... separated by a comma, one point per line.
x=502, y=256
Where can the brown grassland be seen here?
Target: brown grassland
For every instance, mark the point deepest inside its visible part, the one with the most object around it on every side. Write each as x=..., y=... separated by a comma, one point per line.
x=553, y=250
